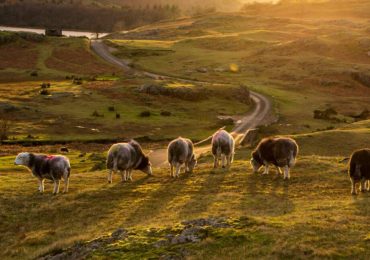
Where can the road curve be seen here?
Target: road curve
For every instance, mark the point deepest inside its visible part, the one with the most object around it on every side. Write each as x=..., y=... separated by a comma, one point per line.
x=158, y=157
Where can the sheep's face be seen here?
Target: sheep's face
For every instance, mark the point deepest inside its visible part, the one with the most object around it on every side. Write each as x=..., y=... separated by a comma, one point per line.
x=255, y=162
x=192, y=163
x=146, y=166
x=22, y=159
x=148, y=170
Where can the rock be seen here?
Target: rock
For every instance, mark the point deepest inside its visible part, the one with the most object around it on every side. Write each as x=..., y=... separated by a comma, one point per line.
x=250, y=138
x=202, y=70
x=6, y=107
x=119, y=233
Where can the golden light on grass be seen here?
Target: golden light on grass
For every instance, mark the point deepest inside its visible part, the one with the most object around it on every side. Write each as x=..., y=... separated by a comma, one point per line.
x=234, y=67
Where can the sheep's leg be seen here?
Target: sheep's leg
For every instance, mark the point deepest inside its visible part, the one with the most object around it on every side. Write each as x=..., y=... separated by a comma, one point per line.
x=286, y=172
x=41, y=185
x=353, y=190
x=278, y=170
x=363, y=185
x=223, y=158
x=266, y=168
x=66, y=183
x=123, y=175
x=171, y=170
x=110, y=176
x=178, y=168
x=56, y=186
x=186, y=167
x=215, y=163
x=368, y=185
x=129, y=175
x=229, y=160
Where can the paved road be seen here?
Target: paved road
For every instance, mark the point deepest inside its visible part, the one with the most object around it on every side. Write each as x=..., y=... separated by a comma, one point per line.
x=158, y=157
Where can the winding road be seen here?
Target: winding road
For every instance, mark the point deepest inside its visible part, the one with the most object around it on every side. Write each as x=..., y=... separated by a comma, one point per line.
x=158, y=157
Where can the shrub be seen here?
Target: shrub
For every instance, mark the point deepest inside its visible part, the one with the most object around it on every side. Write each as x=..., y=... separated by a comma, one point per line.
x=166, y=113
x=44, y=92
x=145, y=113
x=4, y=129
x=111, y=109
x=34, y=74
x=96, y=114
x=118, y=116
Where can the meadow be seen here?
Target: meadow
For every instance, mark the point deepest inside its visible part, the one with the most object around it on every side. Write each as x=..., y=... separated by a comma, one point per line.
x=302, y=63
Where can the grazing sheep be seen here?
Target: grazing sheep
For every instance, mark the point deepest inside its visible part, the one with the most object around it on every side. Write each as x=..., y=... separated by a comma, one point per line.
x=181, y=151
x=52, y=167
x=359, y=170
x=125, y=157
x=281, y=152
x=223, y=147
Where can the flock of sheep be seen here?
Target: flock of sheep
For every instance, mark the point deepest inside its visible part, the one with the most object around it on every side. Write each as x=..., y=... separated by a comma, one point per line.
x=125, y=157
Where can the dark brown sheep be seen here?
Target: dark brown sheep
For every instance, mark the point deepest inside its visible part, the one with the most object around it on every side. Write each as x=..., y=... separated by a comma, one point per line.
x=359, y=170
x=280, y=152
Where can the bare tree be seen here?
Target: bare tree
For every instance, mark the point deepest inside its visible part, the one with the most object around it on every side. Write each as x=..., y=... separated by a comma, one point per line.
x=4, y=129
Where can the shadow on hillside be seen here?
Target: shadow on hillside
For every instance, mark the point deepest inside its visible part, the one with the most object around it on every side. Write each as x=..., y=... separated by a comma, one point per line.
x=155, y=201
x=362, y=202
x=266, y=195
x=205, y=196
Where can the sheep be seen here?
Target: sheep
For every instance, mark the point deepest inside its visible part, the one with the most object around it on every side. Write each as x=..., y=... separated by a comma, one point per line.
x=359, y=170
x=281, y=152
x=181, y=151
x=223, y=147
x=125, y=157
x=52, y=167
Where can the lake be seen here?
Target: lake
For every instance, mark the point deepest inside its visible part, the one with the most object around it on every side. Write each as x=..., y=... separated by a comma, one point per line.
x=68, y=33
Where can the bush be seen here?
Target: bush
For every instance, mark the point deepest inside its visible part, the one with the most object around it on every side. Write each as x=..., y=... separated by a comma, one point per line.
x=118, y=116
x=111, y=109
x=4, y=129
x=44, y=92
x=96, y=114
x=34, y=74
x=45, y=85
x=166, y=113
x=145, y=114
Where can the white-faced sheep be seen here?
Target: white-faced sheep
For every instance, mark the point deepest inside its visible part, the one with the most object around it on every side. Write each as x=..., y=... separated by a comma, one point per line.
x=52, y=167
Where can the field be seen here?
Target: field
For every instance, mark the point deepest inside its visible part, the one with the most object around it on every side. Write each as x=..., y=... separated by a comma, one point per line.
x=307, y=61
x=312, y=215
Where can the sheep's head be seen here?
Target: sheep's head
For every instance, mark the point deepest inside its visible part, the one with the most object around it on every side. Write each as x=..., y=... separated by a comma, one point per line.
x=192, y=163
x=145, y=165
x=256, y=162
x=22, y=159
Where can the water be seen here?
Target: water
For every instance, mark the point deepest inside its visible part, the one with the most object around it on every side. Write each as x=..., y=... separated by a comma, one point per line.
x=89, y=35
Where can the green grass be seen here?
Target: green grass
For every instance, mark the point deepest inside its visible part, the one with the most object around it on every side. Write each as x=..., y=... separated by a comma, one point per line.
x=67, y=114
x=312, y=215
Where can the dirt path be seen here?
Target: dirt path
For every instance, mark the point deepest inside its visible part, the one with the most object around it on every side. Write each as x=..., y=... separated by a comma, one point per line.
x=158, y=157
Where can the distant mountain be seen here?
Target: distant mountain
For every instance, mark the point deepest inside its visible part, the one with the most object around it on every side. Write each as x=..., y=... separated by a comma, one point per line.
x=221, y=5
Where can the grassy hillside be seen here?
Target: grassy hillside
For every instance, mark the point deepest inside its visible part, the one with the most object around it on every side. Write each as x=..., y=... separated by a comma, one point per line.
x=312, y=215
x=304, y=65
x=51, y=58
